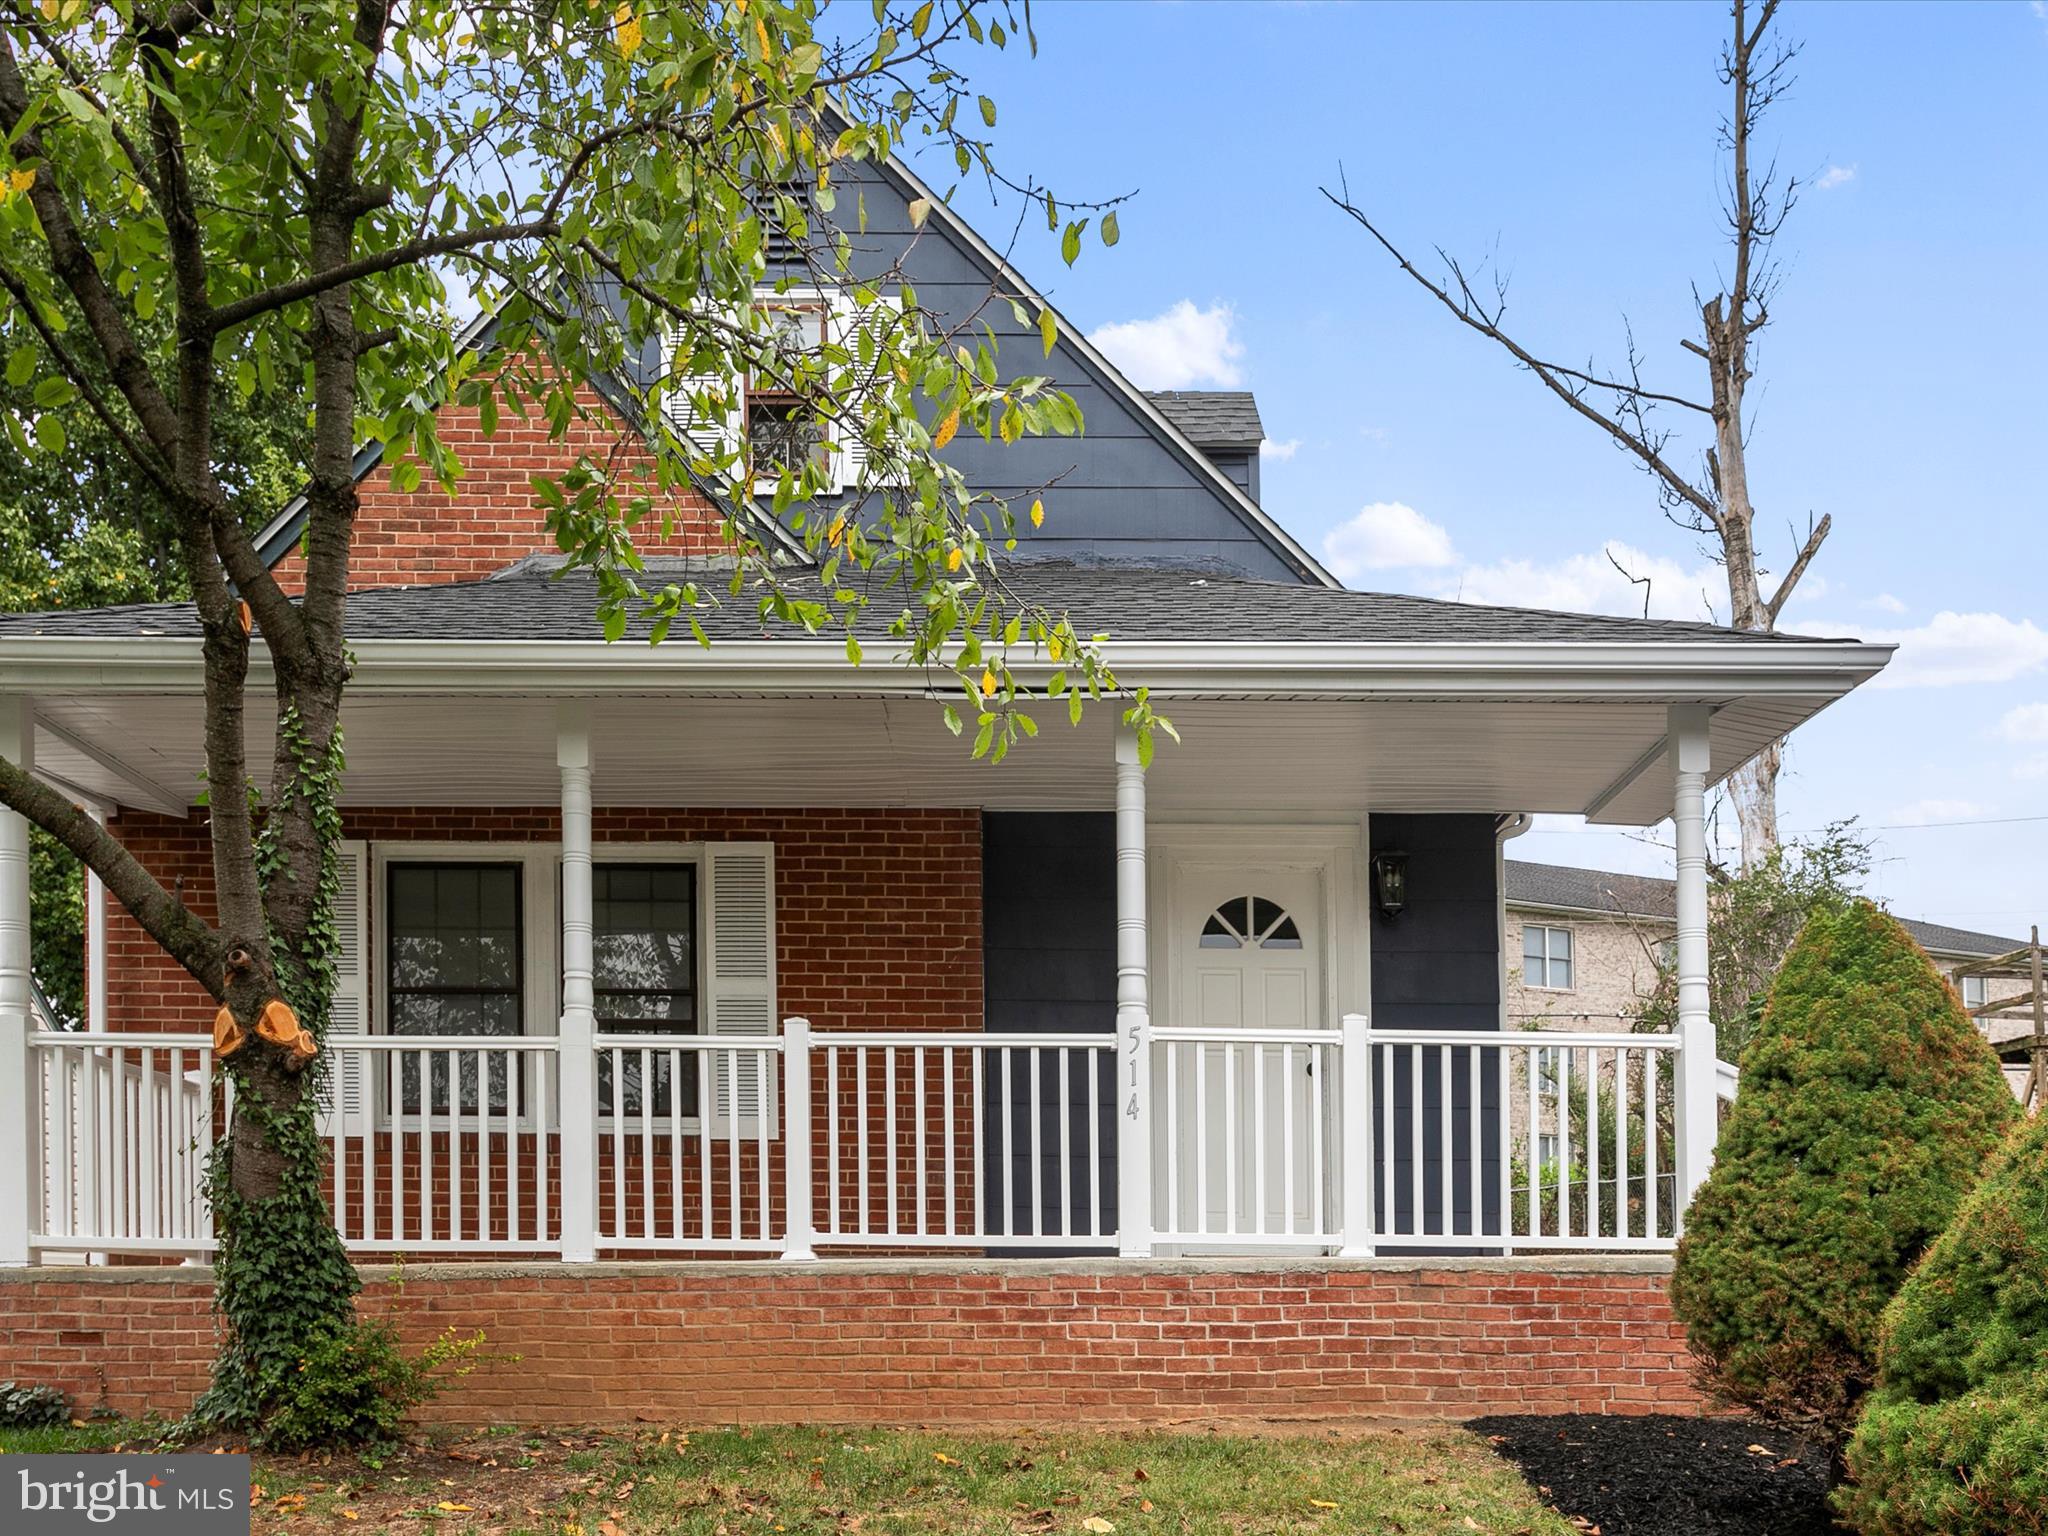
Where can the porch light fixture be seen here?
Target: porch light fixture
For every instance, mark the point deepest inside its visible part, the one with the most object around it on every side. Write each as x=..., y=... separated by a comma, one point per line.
x=1390, y=881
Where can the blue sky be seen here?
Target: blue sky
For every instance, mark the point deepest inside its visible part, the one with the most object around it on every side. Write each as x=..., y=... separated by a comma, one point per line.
x=1900, y=388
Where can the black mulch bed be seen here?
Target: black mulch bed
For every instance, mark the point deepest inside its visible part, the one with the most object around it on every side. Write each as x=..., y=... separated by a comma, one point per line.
x=1667, y=1476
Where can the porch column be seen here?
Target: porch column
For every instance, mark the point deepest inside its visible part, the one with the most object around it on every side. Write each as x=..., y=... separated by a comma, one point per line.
x=19, y=1118
x=577, y=1044
x=1696, y=1112
x=1133, y=1010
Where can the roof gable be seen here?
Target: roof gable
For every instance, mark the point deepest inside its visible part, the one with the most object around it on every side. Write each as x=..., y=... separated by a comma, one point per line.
x=1165, y=480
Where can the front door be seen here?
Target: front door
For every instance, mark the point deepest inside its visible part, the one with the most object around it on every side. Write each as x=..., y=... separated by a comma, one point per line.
x=1245, y=1140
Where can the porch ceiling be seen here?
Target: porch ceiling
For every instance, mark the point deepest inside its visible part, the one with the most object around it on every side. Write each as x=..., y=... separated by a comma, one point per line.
x=1242, y=758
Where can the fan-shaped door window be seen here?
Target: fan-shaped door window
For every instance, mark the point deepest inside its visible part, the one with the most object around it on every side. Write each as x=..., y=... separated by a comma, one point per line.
x=1250, y=922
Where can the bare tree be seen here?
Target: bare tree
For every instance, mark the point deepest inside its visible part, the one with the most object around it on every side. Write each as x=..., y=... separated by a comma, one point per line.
x=1713, y=502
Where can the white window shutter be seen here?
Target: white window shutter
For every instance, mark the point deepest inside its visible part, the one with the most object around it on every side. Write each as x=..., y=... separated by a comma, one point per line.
x=345, y=1107
x=712, y=432
x=739, y=975
x=853, y=467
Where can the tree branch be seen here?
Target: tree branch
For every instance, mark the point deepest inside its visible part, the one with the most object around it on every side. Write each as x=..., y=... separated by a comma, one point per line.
x=165, y=918
x=228, y=316
x=1554, y=378
x=148, y=462
x=1816, y=534
x=72, y=260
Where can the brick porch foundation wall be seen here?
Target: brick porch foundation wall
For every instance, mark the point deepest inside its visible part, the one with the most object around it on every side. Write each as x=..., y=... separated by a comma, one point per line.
x=936, y=1341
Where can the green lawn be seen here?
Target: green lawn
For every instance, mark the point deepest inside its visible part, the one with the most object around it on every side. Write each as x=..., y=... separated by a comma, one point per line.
x=805, y=1482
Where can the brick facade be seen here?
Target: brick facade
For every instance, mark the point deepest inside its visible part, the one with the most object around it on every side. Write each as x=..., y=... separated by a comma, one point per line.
x=877, y=912
x=493, y=519
x=937, y=1342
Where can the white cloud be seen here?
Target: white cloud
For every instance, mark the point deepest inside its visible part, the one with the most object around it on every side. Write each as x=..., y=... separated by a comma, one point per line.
x=1179, y=349
x=1884, y=602
x=1388, y=535
x=1921, y=813
x=1956, y=648
x=1834, y=176
x=1279, y=452
x=1589, y=583
x=2025, y=722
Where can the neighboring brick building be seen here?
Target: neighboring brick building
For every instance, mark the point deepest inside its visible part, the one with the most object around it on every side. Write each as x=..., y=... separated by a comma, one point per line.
x=1599, y=939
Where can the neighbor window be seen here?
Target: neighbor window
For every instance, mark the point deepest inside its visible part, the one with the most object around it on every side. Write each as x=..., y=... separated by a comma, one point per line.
x=644, y=921
x=1975, y=995
x=1546, y=957
x=455, y=969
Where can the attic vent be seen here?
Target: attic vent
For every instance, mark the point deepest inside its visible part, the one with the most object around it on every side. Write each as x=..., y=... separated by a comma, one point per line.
x=783, y=242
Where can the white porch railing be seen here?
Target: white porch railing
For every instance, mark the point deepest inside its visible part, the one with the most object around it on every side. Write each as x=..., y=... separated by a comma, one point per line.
x=1353, y=1140
x=1535, y=1139
x=1251, y=1128
x=127, y=1127
x=959, y=1140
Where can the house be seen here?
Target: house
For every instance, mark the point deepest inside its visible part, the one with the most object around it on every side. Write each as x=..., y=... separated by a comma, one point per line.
x=745, y=1050
x=1591, y=944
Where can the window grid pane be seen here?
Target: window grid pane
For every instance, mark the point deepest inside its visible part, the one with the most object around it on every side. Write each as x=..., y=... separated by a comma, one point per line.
x=644, y=922
x=1547, y=957
x=454, y=969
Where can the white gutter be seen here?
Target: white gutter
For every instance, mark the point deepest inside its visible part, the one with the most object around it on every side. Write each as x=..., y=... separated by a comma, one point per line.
x=1689, y=671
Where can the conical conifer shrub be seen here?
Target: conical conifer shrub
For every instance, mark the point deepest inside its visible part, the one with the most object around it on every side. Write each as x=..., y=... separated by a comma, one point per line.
x=1868, y=1106
x=1955, y=1437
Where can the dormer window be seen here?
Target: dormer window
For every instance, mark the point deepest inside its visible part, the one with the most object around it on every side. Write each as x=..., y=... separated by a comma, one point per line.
x=783, y=431
x=774, y=423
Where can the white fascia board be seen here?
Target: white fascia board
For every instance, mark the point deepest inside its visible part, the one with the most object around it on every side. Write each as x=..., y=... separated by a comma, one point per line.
x=1654, y=672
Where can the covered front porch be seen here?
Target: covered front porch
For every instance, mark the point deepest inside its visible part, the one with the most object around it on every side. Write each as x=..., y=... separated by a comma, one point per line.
x=1292, y=1045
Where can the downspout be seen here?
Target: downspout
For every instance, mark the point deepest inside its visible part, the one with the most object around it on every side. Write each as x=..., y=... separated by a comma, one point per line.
x=1504, y=827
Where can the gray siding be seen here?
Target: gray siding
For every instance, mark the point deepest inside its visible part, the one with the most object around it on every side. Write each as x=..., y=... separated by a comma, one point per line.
x=1125, y=493
x=1437, y=966
x=1049, y=967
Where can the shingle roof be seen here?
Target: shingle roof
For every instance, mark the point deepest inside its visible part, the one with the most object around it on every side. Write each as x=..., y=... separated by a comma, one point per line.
x=1588, y=890
x=527, y=602
x=1212, y=418
x=1598, y=890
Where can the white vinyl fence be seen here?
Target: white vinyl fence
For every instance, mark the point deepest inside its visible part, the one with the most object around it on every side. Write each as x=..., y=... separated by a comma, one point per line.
x=1355, y=1140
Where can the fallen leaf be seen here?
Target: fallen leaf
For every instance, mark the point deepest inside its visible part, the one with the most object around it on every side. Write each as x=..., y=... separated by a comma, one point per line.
x=1759, y=1450
x=943, y=1459
x=1144, y=1506
x=454, y=1509
x=1098, y=1525
x=1322, y=1504
x=1140, y=1475
x=349, y=1514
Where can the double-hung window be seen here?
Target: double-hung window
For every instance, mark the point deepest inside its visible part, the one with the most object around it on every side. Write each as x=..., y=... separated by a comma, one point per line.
x=1975, y=995
x=456, y=968
x=644, y=918
x=1547, y=957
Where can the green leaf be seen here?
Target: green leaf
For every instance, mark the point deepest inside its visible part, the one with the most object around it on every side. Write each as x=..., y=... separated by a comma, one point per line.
x=52, y=392
x=1070, y=242
x=988, y=112
x=50, y=434
x=1109, y=229
x=921, y=21
x=1048, y=329
x=21, y=366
